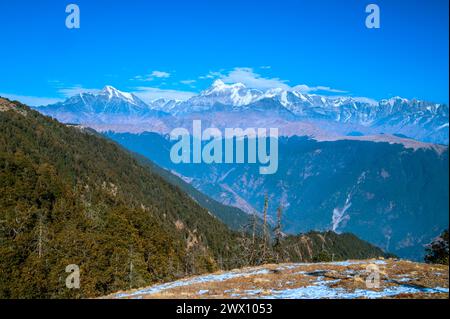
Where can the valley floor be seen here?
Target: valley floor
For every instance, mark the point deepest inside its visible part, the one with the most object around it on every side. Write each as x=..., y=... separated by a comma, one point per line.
x=334, y=280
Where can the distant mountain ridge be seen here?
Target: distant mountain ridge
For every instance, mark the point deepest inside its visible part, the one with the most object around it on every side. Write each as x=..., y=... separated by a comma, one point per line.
x=70, y=196
x=235, y=105
x=108, y=106
x=388, y=194
x=406, y=132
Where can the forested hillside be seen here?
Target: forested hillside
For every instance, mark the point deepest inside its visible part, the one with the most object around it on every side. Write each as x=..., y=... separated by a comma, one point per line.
x=393, y=196
x=233, y=217
x=70, y=196
x=317, y=246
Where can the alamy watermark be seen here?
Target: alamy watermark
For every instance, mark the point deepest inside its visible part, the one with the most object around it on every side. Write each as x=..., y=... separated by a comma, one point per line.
x=230, y=147
x=373, y=19
x=73, y=279
x=73, y=19
x=373, y=277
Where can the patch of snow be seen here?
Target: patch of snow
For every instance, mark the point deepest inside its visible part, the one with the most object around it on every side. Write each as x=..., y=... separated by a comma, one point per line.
x=192, y=281
x=323, y=291
x=339, y=215
x=404, y=279
x=442, y=126
x=287, y=267
x=357, y=262
x=253, y=292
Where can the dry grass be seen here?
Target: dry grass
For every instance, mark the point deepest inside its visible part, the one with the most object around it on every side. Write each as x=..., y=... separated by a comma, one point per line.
x=393, y=273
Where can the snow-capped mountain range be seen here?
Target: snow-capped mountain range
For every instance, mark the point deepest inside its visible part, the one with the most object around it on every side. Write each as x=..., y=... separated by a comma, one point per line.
x=108, y=101
x=107, y=109
x=395, y=111
x=391, y=195
x=235, y=105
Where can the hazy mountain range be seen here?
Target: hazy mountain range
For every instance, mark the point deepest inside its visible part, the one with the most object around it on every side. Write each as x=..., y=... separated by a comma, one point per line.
x=332, y=175
x=235, y=105
x=390, y=195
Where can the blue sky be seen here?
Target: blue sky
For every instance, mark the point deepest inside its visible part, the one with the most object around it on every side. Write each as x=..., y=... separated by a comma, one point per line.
x=177, y=48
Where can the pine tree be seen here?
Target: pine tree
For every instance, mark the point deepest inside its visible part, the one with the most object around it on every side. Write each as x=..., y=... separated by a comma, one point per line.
x=438, y=250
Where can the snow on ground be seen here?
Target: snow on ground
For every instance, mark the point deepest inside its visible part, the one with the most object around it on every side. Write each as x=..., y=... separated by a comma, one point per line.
x=188, y=282
x=334, y=280
x=322, y=290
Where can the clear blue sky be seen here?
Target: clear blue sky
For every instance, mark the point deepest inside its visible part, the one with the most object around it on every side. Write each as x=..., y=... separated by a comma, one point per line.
x=187, y=44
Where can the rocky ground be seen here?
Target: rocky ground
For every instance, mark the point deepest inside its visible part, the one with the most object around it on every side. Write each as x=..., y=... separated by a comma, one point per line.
x=337, y=280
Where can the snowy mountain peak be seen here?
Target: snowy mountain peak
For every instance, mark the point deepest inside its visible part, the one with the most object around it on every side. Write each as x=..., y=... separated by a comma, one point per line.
x=236, y=94
x=109, y=88
x=220, y=87
x=218, y=84
x=273, y=92
x=393, y=100
x=112, y=92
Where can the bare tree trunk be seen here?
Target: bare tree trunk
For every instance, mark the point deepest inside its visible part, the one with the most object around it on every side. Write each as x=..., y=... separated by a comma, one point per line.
x=266, y=205
x=254, y=228
x=40, y=236
x=131, y=267
x=278, y=233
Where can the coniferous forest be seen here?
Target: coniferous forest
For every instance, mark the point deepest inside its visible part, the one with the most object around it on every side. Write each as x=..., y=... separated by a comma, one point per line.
x=70, y=196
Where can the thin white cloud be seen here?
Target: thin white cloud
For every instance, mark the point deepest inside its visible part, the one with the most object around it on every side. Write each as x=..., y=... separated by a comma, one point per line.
x=188, y=82
x=211, y=75
x=75, y=90
x=148, y=94
x=31, y=100
x=254, y=80
x=328, y=89
x=70, y=90
x=160, y=74
x=308, y=89
x=152, y=76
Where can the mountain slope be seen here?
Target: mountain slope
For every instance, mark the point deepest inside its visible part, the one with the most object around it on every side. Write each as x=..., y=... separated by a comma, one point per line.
x=390, y=195
x=70, y=197
x=325, y=246
x=233, y=217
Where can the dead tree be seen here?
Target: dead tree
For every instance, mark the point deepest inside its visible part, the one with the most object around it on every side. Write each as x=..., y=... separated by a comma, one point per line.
x=131, y=267
x=254, y=222
x=277, y=230
x=278, y=233
x=265, y=231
